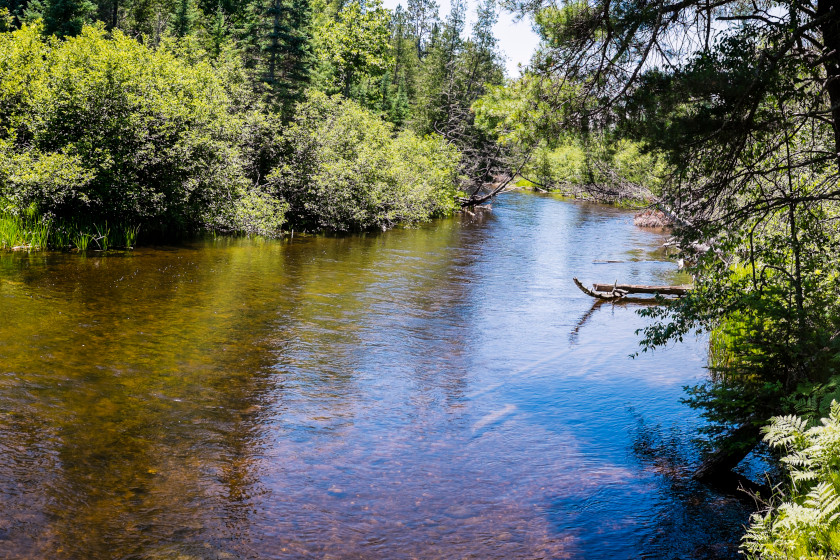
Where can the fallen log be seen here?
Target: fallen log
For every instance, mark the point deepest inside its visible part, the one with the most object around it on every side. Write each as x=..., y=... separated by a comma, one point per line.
x=600, y=294
x=717, y=468
x=729, y=453
x=620, y=291
x=641, y=289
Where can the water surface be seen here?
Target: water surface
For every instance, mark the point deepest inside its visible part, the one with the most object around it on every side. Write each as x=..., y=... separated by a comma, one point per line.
x=441, y=392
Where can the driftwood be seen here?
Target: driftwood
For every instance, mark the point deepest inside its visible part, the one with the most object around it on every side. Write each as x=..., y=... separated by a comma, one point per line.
x=620, y=291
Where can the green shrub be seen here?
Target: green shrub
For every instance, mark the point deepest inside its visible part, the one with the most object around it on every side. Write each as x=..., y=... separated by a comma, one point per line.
x=100, y=129
x=116, y=131
x=345, y=171
x=575, y=161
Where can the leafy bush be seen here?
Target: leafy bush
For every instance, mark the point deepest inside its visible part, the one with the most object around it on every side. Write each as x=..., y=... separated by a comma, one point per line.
x=116, y=131
x=595, y=165
x=345, y=170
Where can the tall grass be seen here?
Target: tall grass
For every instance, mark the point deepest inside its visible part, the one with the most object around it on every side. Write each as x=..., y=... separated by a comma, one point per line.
x=129, y=235
x=31, y=232
x=27, y=232
x=80, y=240
x=722, y=342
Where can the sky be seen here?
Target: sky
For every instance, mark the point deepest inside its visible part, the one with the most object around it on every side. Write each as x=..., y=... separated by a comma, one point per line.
x=516, y=39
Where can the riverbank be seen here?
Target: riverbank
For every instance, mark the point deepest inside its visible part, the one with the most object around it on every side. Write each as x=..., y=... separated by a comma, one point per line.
x=613, y=194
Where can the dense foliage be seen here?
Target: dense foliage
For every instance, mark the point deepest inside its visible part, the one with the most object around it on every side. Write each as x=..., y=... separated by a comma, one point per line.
x=114, y=129
x=552, y=151
x=190, y=115
x=111, y=130
x=344, y=170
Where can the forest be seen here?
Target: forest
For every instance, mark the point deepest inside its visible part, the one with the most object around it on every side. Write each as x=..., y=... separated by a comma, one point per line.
x=127, y=118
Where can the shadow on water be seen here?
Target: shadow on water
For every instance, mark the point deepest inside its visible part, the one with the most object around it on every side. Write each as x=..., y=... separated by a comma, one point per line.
x=412, y=394
x=685, y=531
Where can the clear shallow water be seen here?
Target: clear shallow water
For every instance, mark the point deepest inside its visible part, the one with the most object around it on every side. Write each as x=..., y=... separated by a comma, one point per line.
x=443, y=392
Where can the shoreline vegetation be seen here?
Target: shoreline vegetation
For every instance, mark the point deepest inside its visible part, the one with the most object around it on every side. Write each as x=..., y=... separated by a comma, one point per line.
x=257, y=118
x=171, y=147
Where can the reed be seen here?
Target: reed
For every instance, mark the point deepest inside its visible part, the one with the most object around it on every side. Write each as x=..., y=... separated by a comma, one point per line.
x=80, y=239
x=34, y=233
x=129, y=235
x=27, y=232
x=102, y=237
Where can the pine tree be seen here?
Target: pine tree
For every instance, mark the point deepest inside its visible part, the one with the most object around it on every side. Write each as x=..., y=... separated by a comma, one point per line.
x=422, y=18
x=288, y=51
x=66, y=17
x=437, y=87
x=455, y=73
x=218, y=31
x=186, y=13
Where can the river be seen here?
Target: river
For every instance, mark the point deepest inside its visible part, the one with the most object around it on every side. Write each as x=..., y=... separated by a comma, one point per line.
x=439, y=392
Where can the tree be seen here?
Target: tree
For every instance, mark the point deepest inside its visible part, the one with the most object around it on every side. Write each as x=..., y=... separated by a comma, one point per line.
x=67, y=17
x=288, y=50
x=422, y=18
x=346, y=170
x=456, y=73
x=184, y=18
x=702, y=75
x=356, y=44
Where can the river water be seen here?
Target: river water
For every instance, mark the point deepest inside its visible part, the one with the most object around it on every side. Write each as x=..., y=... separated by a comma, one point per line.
x=441, y=392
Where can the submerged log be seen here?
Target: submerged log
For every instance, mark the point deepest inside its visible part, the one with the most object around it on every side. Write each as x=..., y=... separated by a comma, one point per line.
x=729, y=453
x=717, y=469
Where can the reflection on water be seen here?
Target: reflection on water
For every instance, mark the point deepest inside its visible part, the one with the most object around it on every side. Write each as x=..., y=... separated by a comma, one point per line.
x=442, y=392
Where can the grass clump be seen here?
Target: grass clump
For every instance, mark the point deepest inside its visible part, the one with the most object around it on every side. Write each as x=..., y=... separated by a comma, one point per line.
x=28, y=231
x=32, y=232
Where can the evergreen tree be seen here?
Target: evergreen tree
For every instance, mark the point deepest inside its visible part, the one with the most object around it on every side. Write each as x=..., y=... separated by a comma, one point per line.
x=67, y=17
x=422, y=19
x=456, y=72
x=436, y=85
x=217, y=32
x=288, y=51
x=184, y=19
x=399, y=85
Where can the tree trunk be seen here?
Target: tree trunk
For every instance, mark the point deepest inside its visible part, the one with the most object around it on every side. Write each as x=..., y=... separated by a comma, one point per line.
x=830, y=28
x=718, y=465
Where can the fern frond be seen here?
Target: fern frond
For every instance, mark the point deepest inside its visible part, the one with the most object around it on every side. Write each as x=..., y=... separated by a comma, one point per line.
x=785, y=431
x=823, y=499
